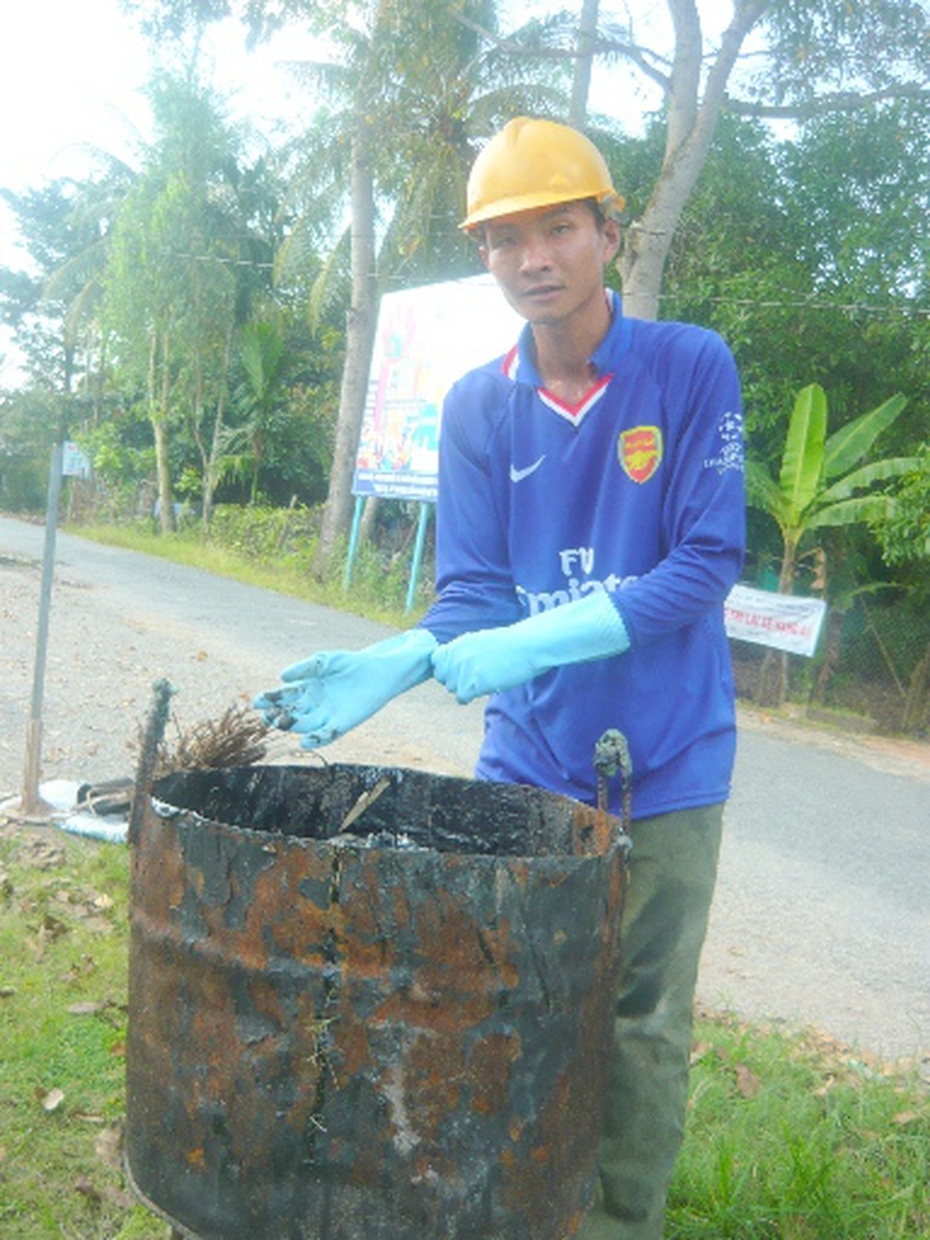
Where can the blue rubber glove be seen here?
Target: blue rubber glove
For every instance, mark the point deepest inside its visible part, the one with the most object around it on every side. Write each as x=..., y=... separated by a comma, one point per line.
x=491, y=660
x=332, y=692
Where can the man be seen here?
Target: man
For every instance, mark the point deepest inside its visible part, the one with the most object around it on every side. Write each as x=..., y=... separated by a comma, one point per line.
x=589, y=527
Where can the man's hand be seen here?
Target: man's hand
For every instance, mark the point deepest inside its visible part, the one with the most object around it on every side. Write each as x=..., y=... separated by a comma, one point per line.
x=332, y=692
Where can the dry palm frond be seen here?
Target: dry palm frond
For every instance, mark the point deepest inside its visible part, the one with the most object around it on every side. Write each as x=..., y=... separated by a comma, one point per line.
x=238, y=737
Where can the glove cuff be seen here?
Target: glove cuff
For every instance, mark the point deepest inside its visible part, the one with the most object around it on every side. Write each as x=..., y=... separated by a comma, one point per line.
x=588, y=628
x=409, y=655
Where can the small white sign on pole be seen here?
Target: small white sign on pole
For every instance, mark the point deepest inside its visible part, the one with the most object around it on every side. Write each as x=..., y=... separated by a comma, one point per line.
x=74, y=463
x=779, y=620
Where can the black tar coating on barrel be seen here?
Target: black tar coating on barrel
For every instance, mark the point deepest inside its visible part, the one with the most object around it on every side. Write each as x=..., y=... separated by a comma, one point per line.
x=331, y=1038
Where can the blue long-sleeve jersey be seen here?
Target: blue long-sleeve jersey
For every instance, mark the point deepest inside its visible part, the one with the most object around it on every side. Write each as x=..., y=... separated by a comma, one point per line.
x=638, y=491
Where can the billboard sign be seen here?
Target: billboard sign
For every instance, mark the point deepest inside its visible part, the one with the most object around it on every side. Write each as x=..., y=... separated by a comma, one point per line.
x=426, y=338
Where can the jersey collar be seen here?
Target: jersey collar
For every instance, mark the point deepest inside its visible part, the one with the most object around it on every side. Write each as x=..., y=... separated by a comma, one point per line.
x=519, y=364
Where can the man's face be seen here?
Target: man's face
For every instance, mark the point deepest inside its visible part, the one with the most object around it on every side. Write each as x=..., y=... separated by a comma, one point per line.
x=549, y=262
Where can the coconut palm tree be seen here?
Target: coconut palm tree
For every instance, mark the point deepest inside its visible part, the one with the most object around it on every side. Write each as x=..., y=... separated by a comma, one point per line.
x=410, y=86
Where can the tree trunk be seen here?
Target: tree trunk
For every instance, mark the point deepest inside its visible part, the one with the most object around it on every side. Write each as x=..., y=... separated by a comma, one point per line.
x=360, y=335
x=213, y=463
x=584, y=58
x=692, y=119
x=916, y=714
x=773, y=674
x=158, y=416
x=832, y=654
x=165, y=502
x=369, y=518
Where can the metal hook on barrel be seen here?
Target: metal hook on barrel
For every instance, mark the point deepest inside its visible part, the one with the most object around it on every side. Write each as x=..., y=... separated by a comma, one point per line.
x=612, y=757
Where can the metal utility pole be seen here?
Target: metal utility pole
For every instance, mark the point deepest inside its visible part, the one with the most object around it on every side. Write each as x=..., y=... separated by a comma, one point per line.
x=31, y=805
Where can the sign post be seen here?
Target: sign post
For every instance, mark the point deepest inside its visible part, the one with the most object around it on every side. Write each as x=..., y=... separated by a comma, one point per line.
x=31, y=805
x=417, y=556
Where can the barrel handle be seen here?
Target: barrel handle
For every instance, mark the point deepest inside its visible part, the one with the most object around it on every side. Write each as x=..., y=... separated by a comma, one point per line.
x=612, y=757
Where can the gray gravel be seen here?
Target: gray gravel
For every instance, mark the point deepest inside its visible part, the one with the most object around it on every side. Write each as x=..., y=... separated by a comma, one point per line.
x=120, y=622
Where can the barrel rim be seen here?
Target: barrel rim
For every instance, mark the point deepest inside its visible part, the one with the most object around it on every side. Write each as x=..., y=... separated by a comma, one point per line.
x=611, y=824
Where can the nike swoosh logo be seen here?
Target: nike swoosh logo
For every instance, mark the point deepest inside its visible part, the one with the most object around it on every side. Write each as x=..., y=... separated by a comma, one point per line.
x=517, y=475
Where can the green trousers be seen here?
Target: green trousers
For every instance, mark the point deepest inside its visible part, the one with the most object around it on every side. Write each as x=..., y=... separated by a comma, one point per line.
x=673, y=868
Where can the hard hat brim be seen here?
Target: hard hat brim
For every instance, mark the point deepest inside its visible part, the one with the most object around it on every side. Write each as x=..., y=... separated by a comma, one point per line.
x=610, y=206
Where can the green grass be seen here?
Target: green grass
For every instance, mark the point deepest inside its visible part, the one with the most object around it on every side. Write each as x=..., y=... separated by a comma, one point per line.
x=797, y=1137
x=790, y=1137
x=63, y=964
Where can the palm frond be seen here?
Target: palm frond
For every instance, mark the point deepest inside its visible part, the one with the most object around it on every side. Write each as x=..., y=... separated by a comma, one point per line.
x=323, y=288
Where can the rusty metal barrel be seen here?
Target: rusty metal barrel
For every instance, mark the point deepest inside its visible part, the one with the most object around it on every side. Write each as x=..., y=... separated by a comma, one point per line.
x=368, y=1004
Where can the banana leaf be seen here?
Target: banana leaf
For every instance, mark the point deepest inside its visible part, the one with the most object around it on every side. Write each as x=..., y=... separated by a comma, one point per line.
x=846, y=448
x=802, y=461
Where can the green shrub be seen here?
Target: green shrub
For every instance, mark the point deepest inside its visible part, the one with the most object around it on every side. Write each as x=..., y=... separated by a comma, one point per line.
x=266, y=535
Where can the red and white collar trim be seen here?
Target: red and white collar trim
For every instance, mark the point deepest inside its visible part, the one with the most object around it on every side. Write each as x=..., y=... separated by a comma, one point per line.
x=572, y=413
x=511, y=363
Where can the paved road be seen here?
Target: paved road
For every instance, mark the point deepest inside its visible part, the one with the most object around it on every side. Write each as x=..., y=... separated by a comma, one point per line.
x=822, y=914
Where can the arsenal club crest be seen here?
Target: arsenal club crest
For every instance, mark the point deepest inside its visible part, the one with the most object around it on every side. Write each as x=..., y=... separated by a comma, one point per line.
x=640, y=451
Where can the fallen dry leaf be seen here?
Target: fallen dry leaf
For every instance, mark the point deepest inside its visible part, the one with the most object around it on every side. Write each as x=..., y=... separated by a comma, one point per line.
x=52, y=1100
x=117, y=1197
x=46, y=856
x=97, y=1196
x=906, y=1117
x=699, y=1051
x=50, y=929
x=747, y=1082
x=86, y=1189
x=89, y=1008
x=80, y=968
x=53, y=927
x=109, y=1146
x=825, y=1088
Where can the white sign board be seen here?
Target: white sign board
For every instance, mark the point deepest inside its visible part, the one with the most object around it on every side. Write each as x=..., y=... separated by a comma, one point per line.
x=426, y=339
x=74, y=464
x=778, y=620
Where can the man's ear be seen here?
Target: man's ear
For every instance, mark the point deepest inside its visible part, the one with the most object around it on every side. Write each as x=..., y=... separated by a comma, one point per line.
x=483, y=254
x=610, y=230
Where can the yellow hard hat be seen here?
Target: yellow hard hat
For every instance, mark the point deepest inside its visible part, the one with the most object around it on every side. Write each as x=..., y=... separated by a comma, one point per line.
x=536, y=163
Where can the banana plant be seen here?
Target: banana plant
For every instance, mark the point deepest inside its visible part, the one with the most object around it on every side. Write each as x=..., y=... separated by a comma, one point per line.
x=825, y=481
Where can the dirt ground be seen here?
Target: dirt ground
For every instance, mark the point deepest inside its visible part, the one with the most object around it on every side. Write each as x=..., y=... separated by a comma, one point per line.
x=893, y=754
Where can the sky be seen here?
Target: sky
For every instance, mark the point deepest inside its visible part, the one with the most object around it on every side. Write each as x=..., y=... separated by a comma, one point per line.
x=71, y=73
x=71, y=79
x=67, y=73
